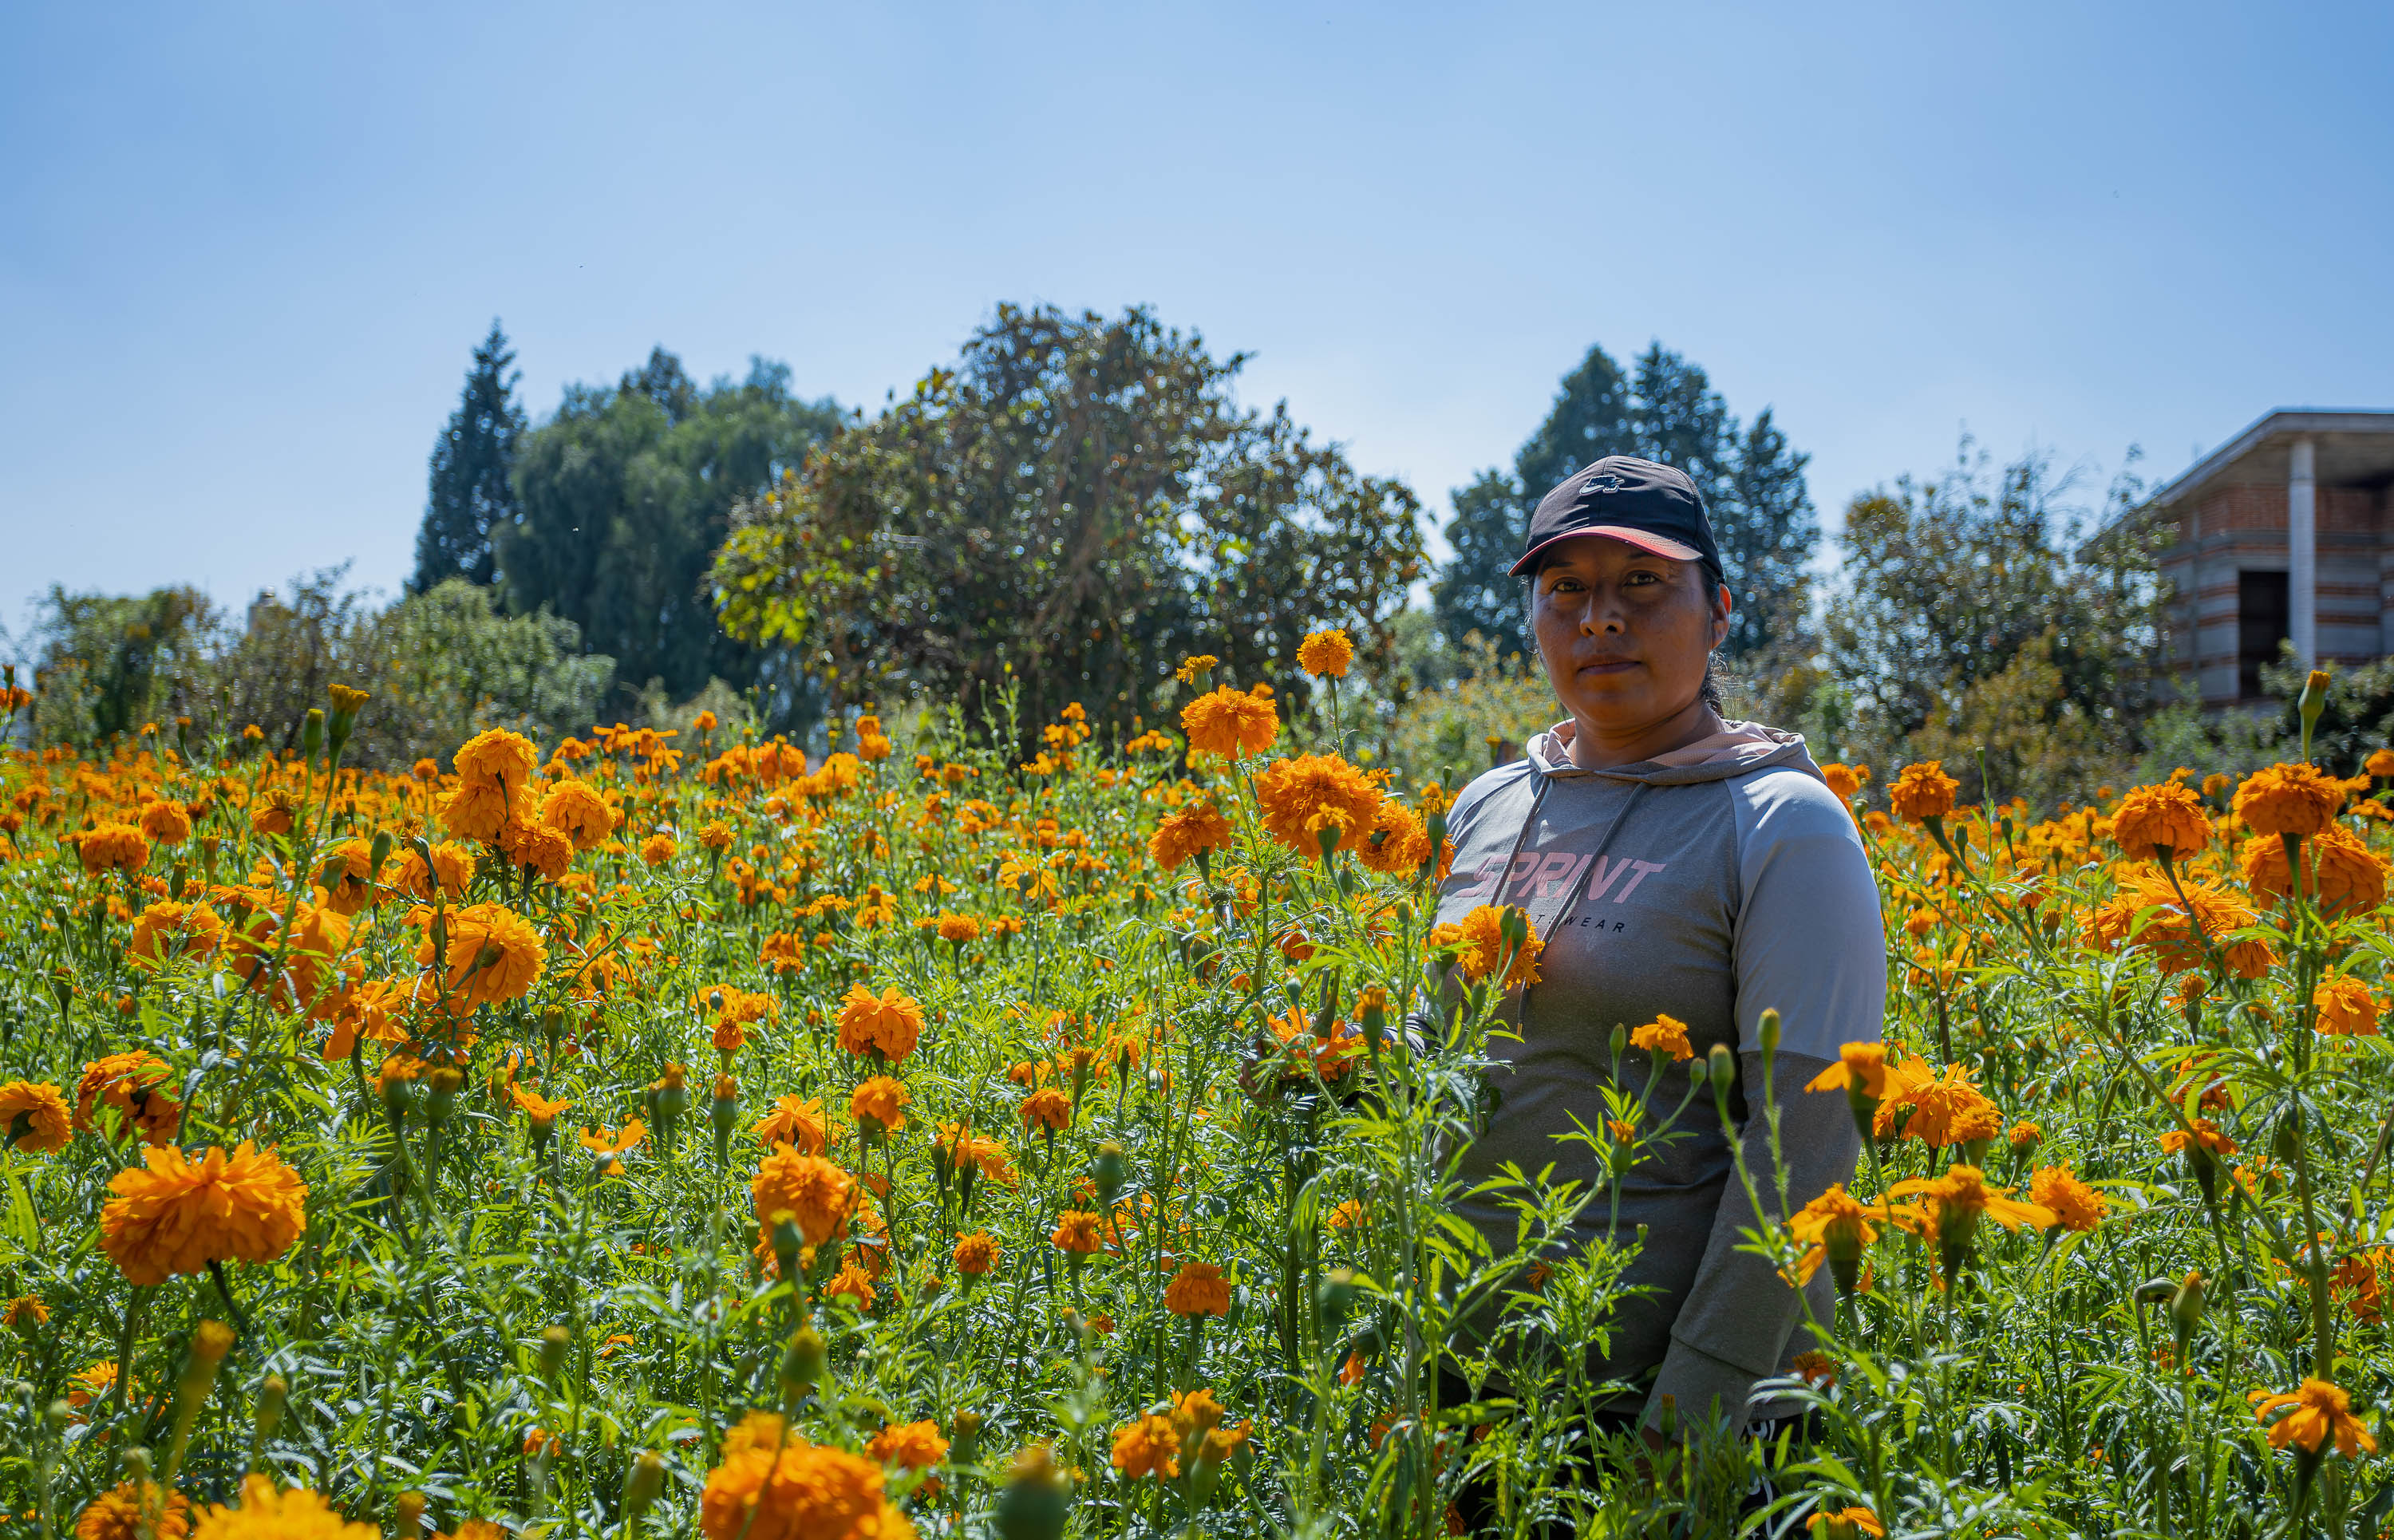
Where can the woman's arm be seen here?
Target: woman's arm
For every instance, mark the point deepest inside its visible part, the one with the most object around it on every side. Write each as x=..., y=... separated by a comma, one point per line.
x=1809, y=942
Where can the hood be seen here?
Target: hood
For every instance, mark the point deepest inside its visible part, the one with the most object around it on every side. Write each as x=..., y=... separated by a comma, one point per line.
x=1739, y=748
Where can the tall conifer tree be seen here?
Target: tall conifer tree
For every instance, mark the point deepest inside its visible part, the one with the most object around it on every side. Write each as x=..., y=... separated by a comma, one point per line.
x=470, y=493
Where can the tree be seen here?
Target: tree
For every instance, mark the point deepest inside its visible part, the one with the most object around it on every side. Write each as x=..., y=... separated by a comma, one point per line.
x=624, y=498
x=472, y=494
x=107, y=663
x=1752, y=483
x=1068, y=512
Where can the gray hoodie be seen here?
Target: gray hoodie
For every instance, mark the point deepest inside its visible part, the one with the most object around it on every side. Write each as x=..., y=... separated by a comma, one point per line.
x=1707, y=884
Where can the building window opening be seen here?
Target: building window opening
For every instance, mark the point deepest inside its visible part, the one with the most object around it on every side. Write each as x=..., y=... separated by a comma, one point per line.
x=2261, y=620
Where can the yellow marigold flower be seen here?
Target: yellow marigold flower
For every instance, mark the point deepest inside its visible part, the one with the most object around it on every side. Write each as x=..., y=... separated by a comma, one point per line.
x=113, y=847
x=542, y=1112
x=136, y=1085
x=795, y=1123
x=1198, y=1289
x=889, y=1023
x=1196, y=667
x=1857, y=1063
x=1951, y=1205
x=659, y=850
x=2024, y=1135
x=1946, y=1109
x=575, y=808
x=167, y=928
x=2289, y=800
x=1397, y=843
x=916, y=1445
x=1049, y=1108
x=1924, y=791
x=1326, y=654
x=959, y=930
x=1833, y=1228
x=116, y=1514
x=1146, y=1445
x=174, y=1216
x=1231, y=724
x=1182, y=833
x=1480, y=945
x=2340, y=872
x=275, y=813
x=2345, y=1008
x=813, y=1192
x=498, y=757
x=34, y=1117
x=2153, y=820
x=495, y=955
x=452, y=863
x=25, y=1311
x=2075, y=1206
x=796, y=1491
x=167, y=822
x=1078, y=1232
x=2381, y=764
x=537, y=846
x=976, y=1253
x=2318, y=1414
x=1302, y=795
x=1843, y=1523
x=476, y=809
x=2175, y=945
x=1665, y=1034
x=881, y=1103
x=1846, y=780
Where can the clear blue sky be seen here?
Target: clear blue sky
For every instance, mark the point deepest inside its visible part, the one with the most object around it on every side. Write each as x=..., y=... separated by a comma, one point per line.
x=245, y=250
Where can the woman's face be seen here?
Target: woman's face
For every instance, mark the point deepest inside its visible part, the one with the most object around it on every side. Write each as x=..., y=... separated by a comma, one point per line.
x=1623, y=633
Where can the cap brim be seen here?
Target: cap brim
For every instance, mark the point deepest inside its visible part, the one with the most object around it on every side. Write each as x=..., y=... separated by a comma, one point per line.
x=1645, y=540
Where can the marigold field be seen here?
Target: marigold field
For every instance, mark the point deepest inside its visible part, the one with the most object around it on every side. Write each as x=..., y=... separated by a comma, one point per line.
x=688, y=1135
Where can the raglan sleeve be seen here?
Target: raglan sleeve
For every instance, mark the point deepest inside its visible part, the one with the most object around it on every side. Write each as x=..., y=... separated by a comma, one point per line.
x=1809, y=941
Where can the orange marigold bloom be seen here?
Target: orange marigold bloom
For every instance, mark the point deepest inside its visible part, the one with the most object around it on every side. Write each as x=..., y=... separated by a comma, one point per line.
x=1198, y=1289
x=1857, y=1063
x=1078, y=1232
x=2165, y=933
x=2317, y=1415
x=1946, y=1109
x=889, y=1023
x=1923, y=791
x=1303, y=795
x=1665, y=1034
x=795, y=1123
x=777, y=1486
x=167, y=822
x=276, y=812
x=174, y=1216
x=2207, y=1134
x=498, y=757
x=659, y=850
x=812, y=1191
x=135, y=1084
x=2075, y=1206
x=576, y=810
x=2289, y=800
x=880, y=1101
x=1049, y=1108
x=495, y=955
x=958, y=929
x=536, y=845
x=1829, y=1525
x=113, y=847
x=1146, y=1445
x=317, y=937
x=1230, y=723
x=116, y=1514
x=34, y=1117
x=1397, y=843
x=265, y=1513
x=853, y=1281
x=2165, y=818
x=1184, y=832
x=916, y=1445
x=475, y=810
x=1835, y=1228
x=1479, y=943
x=453, y=864
x=2345, y=1008
x=976, y=1253
x=165, y=926
x=1326, y=654
x=1846, y=780
x=2339, y=870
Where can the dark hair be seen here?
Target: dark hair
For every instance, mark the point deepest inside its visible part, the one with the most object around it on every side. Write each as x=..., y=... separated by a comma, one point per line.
x=1711, y=692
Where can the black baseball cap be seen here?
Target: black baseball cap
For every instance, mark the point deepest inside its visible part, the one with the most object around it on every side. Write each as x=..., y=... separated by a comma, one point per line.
x=1652, y=507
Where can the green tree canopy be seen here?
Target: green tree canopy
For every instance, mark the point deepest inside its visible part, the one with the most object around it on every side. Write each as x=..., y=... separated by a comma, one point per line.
x=1752, y=480
x=1077, y=498
x=472, y=494
x=624, y=498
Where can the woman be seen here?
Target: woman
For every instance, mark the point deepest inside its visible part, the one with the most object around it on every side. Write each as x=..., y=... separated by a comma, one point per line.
x=1672, y=863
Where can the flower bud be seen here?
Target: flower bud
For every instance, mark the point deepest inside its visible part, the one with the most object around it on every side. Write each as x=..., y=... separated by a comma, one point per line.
x=553, y=1345
x=378, y=855
x=1337, y=1294
x=805, y=1363
x=1769, y=1032
x=1110, y=1169
x=1037, y=1498
x=270, y=1398
x=964, y=1441
x=440, y=1105
x=644, y=1483
x=2186, y=1303
x=311, y=733
x=1723, y=1067
x=407, y=1514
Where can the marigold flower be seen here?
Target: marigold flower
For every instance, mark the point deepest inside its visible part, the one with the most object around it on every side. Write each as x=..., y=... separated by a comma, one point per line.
x=2165, y=933
x=880, y=1102
x=1231, y=724
x=453, y=864
x=537, y=1107
x=783, y=1488
x=1326, y=654
x=165, y=927
x=916, y=1445
x=174, y=1216
x=34, y=1117
x=1198, y=1289
x=167, y=822
x=2317, y=1415
x=795, y=1123
x=1397, y=842
x=1924, y=791
x=275, y=813
x=1846, y=780
x=2340, y=872
x=1184, y=832
x=135, y=1084
x=116, y=1514
x=575, y=808
x=1301, y=796
x=1665, y=1034
x=25, y=1311
x=266, y=1513
x=2289, y=800
x=1843, y=1523
x=113, y=847
x=889, y=1023
x=495, y=955
x=2157, y=821
x=813, y=1192
x=1049, y=1108
x=659, y=850
x=853, y=1281
x=1833, y=1228
x=1146, y=1445
x=1862, y=1064
x=498, y=757
x=1946, y=1109
x=318, y=936
x=2075, y=1206
x=1078, y=1232
x=1478, y=943
x=537, y=847
x=2345, y=1008
x=976, y=1253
